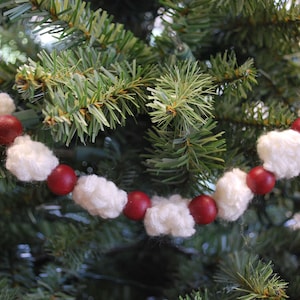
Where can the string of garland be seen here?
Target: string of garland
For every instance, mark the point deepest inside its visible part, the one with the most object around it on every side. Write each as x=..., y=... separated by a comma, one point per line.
x=30, y=160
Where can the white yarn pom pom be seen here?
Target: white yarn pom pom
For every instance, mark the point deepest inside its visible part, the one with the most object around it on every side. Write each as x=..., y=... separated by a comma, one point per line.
x=30, y=160
x=99, y=196
x=279, y=150
x=232, y=195
x=7, y=105
x=169, y=216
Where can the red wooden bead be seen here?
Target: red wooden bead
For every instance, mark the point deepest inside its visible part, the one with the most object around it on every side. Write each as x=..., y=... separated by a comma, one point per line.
x=203, y=208
x=62, y=180
x=10, y=128
x=136, y=206
x=260, y=181
x=296, y=125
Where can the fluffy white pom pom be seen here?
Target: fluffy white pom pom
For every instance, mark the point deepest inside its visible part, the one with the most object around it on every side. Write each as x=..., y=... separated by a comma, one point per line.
x=169, y=216
x=7, y=105
x=279, y=151
x=99, y=196
x=232, y=195
x=30, y=160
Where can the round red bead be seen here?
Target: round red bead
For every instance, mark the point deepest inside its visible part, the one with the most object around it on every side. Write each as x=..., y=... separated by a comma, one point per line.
x=296, y=125
x=203, y=208
x=62, y=180
x=260, y=181
x=10, y=128
x=136, y=206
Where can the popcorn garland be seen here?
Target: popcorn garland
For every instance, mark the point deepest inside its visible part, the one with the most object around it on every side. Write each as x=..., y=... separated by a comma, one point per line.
x=30, y=160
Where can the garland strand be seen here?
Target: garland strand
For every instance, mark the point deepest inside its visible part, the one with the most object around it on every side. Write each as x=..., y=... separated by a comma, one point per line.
x=30, y=160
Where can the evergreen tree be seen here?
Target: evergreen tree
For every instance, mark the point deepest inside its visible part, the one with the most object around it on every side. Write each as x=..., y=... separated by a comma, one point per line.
x=166, y=114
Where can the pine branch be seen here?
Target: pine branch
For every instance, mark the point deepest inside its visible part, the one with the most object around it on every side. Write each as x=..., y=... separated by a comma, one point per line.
x=256, y=115
x=53, y=286
x=33, y=79
x=7, y=292
x=84, y=91
x=184, y=147
x=189, y=158
x=190, y=19
x=182, y=96
x=239, y=7
x=279, y=88
x=64, y=245
x=77, y=24
x=247, y=22
x=243, y=25
x=250, y=278
x=234, y=81
x=40, y=293
x=76, y=237
x=195, y=295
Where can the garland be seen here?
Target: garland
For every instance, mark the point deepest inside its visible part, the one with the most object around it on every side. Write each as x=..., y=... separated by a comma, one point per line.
x=30, y=160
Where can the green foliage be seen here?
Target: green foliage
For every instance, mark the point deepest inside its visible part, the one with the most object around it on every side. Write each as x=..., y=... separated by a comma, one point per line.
x=7, y=293
x=183, y=96
x=99, y=92
x=209, y=25
x=252, y=25
x=234, y=81
x=77, y=24
x=184, y=146
x=195, y=295
x=189, y=158
x=191, y=19
x=155, y=118
x=51, y=283
x=250, y=278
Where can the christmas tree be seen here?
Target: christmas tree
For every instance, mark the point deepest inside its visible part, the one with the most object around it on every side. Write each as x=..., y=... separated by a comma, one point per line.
x=150, y=151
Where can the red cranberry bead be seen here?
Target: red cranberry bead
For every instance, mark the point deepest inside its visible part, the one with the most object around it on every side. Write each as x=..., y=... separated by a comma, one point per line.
x=136, y=206
x=203, y=208
x=10, y=128
x=260, y=181
x=296, y=125
x=62, y=180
